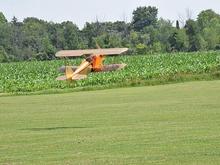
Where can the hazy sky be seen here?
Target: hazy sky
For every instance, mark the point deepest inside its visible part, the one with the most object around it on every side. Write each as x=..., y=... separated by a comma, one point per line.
x=80, y=11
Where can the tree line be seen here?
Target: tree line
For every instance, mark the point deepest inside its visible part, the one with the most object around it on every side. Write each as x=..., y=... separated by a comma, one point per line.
x=35, y=39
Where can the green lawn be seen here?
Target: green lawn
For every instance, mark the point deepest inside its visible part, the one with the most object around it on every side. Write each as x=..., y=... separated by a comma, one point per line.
x=167, y=124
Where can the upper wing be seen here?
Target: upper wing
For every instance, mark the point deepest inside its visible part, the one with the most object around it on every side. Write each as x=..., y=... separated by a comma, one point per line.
x=76, y=53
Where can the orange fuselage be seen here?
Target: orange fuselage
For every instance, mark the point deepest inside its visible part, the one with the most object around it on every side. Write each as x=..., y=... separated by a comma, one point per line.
x=97, y=63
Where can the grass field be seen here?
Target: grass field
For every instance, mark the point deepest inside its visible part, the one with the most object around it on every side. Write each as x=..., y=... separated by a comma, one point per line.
x=167, y=124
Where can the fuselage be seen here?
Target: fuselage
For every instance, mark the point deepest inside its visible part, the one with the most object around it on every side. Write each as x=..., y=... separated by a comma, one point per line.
x=95, y=65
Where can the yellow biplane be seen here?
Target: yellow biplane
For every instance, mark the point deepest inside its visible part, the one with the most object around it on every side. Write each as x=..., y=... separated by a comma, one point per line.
x=93, y=62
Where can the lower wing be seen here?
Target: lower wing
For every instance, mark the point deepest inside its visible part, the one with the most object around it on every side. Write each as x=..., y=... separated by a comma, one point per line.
x=112, y=67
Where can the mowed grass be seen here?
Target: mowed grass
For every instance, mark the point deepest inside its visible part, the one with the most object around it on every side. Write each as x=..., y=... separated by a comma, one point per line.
x=167, y=124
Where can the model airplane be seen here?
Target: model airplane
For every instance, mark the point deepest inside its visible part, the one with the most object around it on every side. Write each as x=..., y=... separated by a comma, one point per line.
x=93, y=62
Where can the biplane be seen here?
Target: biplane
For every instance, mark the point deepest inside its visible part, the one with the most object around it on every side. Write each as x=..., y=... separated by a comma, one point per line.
x=93, y=62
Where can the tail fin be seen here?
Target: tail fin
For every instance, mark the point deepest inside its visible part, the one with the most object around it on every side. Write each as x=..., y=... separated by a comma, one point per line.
x=69, y=72
x=80, y=73
x=97, y=45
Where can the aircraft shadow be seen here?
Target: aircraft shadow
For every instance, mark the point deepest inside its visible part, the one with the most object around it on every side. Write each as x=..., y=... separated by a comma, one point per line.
x=51, y=128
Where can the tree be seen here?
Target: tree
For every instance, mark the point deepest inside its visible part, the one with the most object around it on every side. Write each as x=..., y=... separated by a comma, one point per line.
x=71, y=35
x=152, y=32
x=38, y=39
x=177, y=24
x=14, y=20
x=17, y=37
x=3, y=55
x=109, y=40
x=134, y=38
x=34, y=31
x=165, y=29
x=211, y=36
x=196, y=41
x=156, y=47
x=205, y=18
x=6, y=37
x=48, y=49
x=141, y=48
x=209, y=23
x=91, y=31
x=56, y=35
x=144, y=16
x=179, y=41
x=3, y=20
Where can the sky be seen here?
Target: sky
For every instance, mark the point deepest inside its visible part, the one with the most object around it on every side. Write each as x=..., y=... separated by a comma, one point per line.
x=81, y=11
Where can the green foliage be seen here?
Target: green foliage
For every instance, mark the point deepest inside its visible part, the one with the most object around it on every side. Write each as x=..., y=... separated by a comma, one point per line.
x=35, y=39
x=5, y=37
x=179, y=41
x=141, y=48
x=156, y=47
x=109, y=40
x=3, y=55
x=71, y=35
x=196, y=41
x=209, y=23
x=144, y=16
x=48, y=48
x=177, y=24
x=206, y=17
x=165, y=30
x=3, y=20
x=41, y=75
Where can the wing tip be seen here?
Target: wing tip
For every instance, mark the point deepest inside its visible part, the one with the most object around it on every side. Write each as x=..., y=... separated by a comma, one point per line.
x=61, y=78
x=124, y=50
x=58, y=54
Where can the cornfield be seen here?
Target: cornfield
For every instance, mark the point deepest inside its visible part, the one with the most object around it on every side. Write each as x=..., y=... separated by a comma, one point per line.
x=40, y=75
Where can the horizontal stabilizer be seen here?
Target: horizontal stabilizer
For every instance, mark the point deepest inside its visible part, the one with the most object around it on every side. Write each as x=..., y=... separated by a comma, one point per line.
x=75, y=77
x=79, y=77
x=61, y=78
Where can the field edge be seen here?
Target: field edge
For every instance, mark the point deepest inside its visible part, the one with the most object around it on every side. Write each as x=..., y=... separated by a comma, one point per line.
x=171, y=79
